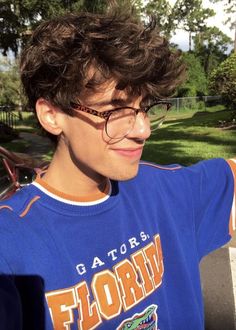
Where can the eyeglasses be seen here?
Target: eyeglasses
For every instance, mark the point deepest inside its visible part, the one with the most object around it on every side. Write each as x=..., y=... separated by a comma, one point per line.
x=119, y=122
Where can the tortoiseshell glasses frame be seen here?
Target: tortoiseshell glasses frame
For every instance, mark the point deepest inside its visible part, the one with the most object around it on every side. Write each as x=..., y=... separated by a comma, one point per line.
x=120, y=121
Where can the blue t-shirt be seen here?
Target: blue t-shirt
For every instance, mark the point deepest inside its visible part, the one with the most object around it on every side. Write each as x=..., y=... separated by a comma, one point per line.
x=129, y=261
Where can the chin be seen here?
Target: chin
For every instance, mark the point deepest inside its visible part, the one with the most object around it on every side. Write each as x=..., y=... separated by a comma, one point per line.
x=125, y=174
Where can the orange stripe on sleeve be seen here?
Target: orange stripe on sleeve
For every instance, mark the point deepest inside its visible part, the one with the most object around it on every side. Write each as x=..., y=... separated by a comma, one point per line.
x=26, y=210
x=161, y=167
x=232, y=223
x=6, y=207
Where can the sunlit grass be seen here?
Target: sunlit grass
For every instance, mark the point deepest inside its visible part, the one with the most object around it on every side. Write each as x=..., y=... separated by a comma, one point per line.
x=191, y=137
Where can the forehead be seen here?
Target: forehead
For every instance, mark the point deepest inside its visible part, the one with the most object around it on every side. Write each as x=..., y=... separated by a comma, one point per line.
x=106, y=92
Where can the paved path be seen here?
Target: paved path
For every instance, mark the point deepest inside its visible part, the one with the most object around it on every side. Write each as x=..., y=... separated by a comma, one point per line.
x=38, y=145
x=218, y=273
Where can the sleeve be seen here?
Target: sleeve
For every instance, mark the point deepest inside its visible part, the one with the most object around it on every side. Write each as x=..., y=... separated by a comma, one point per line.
x=214, y=198
x=232, y=223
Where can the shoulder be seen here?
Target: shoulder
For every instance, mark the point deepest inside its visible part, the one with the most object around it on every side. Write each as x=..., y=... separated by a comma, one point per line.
x=153, y=173
x=153, y=169
x=17, y=205
x=213, y=171
x=211, y=165
x=186, y=176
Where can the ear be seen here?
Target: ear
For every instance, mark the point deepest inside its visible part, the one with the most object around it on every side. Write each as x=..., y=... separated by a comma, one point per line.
x=48, y=116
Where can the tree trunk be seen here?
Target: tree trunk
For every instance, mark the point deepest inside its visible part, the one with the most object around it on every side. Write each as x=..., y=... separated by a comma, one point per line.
x=190, y=41
x=235, y=37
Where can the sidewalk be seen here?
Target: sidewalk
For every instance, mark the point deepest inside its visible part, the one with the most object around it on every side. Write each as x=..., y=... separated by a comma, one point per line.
x=38, y=145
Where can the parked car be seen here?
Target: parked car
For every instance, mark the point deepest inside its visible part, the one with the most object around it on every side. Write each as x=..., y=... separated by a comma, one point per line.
x=15, y=171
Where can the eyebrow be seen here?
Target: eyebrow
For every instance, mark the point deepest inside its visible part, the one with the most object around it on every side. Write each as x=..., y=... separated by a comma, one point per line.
x=114, y=102
x=118, y=102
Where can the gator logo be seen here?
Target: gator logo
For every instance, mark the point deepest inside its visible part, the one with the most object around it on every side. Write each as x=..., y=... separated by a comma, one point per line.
x=145, y=321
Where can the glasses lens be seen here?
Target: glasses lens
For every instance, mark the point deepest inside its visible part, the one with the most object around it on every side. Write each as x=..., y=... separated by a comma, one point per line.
x=120, y=123
x=157, y=114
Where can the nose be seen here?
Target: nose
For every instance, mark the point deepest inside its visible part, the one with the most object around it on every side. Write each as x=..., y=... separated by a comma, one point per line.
x=141, y=129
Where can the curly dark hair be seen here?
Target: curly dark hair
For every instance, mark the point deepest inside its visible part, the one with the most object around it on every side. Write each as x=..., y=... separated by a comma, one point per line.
x=56, y=63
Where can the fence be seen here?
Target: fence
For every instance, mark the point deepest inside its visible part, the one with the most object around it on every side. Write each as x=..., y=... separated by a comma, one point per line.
x=194, y=103
x=7, y=117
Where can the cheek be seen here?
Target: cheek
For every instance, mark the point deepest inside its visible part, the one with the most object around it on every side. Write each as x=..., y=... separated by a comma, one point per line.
x=85, y=141
x=83, y=131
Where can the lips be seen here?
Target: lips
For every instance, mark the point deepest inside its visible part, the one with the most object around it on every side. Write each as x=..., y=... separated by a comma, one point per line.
x=129, y=152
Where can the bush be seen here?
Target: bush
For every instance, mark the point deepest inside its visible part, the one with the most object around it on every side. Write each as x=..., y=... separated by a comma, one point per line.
x=223, y=81
x=196, y=82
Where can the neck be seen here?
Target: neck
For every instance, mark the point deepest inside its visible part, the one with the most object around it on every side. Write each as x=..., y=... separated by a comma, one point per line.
x=73, y=179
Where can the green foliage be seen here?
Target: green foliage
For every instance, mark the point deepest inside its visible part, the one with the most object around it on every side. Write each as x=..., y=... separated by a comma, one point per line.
x=191, y=16
x=10, y=91
x=210, y=46
x=223, y=81
x=16, y=19
x=230, y=11
x=196, y=82
x=19, y=18
x=164, y=15
x=186, y=14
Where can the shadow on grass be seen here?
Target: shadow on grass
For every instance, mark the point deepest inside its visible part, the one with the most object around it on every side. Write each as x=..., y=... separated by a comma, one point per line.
x=15, y=145
x=202, y=119
x=187, y=141
x=29, y=124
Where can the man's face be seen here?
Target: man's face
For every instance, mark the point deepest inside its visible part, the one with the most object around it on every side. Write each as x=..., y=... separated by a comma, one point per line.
x=91, y=150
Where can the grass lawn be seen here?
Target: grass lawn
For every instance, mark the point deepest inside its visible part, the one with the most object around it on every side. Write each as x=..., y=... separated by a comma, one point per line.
x=188, y=137
x=27, y=124
x=16, y=145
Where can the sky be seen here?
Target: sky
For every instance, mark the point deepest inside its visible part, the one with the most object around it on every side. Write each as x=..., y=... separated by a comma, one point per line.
x=181, y=37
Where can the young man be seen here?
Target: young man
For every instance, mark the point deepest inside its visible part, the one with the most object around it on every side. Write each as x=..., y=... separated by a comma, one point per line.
x=107, y=241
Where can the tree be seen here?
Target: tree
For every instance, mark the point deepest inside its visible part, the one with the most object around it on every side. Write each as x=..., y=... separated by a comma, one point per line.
x=196, y=82
x=10, y=27
x=192, y=16
x=164, y=15
x=223, y=81
x=10, y=91
x=93, y=6
x=230, y=10
x=19, y=17
x=184, y=14
x=210, y=46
